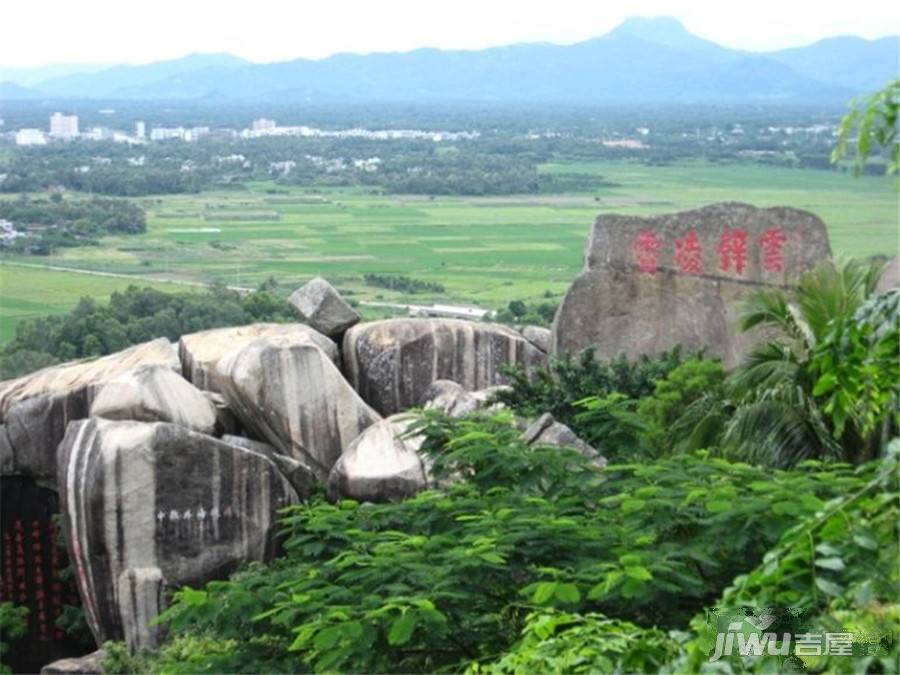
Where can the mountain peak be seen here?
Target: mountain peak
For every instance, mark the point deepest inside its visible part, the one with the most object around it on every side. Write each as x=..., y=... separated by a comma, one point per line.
x=662, y=30
x=652, y=27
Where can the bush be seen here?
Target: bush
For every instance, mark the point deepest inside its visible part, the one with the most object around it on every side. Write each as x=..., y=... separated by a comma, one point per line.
x=559, y=387
x=13, y=624
x=561, y=642
x=834, y=571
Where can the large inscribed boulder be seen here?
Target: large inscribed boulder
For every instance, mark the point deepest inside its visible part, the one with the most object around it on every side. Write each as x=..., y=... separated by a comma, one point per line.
x=651, y=283
x=151, y=507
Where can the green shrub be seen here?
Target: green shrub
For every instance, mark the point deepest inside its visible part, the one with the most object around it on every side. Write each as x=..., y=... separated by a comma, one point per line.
x=560, y=386
x=13, y=624
x=672, y=397
x=559, y=642
x=835, y=571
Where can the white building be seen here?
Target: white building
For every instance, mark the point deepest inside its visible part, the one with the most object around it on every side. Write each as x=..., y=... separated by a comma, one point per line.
x=63, y=126
x=263, y=124
x=166, y=133
x=140, y=130
x=30, y=137
x=195, y=133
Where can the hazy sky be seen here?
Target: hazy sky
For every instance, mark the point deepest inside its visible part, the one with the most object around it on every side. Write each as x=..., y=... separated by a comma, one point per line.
x=117, y=31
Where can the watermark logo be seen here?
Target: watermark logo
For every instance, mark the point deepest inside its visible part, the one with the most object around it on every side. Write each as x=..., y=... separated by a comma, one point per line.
x=782, y=633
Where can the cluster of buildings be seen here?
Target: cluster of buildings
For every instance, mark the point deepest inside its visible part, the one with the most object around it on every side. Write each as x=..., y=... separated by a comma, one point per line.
x=266, y=127
x=65, y=128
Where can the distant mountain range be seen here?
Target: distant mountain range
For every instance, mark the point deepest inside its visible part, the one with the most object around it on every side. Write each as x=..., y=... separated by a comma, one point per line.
x=643, y=60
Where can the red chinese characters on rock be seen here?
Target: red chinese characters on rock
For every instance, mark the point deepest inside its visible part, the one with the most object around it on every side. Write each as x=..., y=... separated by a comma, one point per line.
x=645, y=248
x=772, y=242
x=40, y=594
x=732, y=251
x=689, y=254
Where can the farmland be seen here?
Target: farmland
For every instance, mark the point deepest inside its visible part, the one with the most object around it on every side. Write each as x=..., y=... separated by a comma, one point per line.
x=485, y=251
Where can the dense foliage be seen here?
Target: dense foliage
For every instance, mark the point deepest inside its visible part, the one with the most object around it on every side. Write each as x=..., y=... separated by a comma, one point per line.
x=562, y=386
x=525, y=313
x=828, y=385
x=13, y=624
x=396, y=282
x=133, y=316
x=55, y=222
x=388, y=587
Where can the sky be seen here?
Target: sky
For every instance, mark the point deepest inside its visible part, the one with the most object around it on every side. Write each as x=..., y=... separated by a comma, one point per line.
x=124, y=31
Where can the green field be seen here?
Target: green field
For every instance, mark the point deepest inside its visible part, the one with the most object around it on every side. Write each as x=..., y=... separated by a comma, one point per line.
x=27, y=292
x=485, y=251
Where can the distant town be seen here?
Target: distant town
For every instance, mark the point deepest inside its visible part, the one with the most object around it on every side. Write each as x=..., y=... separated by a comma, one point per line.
x=63, y=127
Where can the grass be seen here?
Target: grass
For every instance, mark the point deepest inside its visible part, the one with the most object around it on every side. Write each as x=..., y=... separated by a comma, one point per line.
x=484, y=251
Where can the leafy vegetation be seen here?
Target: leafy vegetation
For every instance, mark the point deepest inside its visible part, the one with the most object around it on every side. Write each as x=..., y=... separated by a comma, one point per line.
x=827, y=386
x=561, y=387
x=525, y=313
x=13, y=624
x=875, y=121
x=838, y=570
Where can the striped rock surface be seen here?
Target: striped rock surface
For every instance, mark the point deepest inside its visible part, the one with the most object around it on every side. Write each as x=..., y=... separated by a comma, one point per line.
x=150, y=507
x=290, y=393
x=392, y=363
x=199, y=352
x=381, y=464
x=35, y=409
x=155, y=394
x=300, y=476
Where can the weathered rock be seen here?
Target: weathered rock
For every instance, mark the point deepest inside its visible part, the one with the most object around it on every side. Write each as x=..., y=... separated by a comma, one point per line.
x=155, y=394
x=35, y=409
x=226, y=421
x=890, y=276
x=392, y=363
x=91, y=664
x=152, y=507
x=324, y=307
x=545, y=430
x=300, y=476
x=381, y=464
x=450, y=397
x=652, y=283
x=289, y=393
x=199, y=352
x=538, y=336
